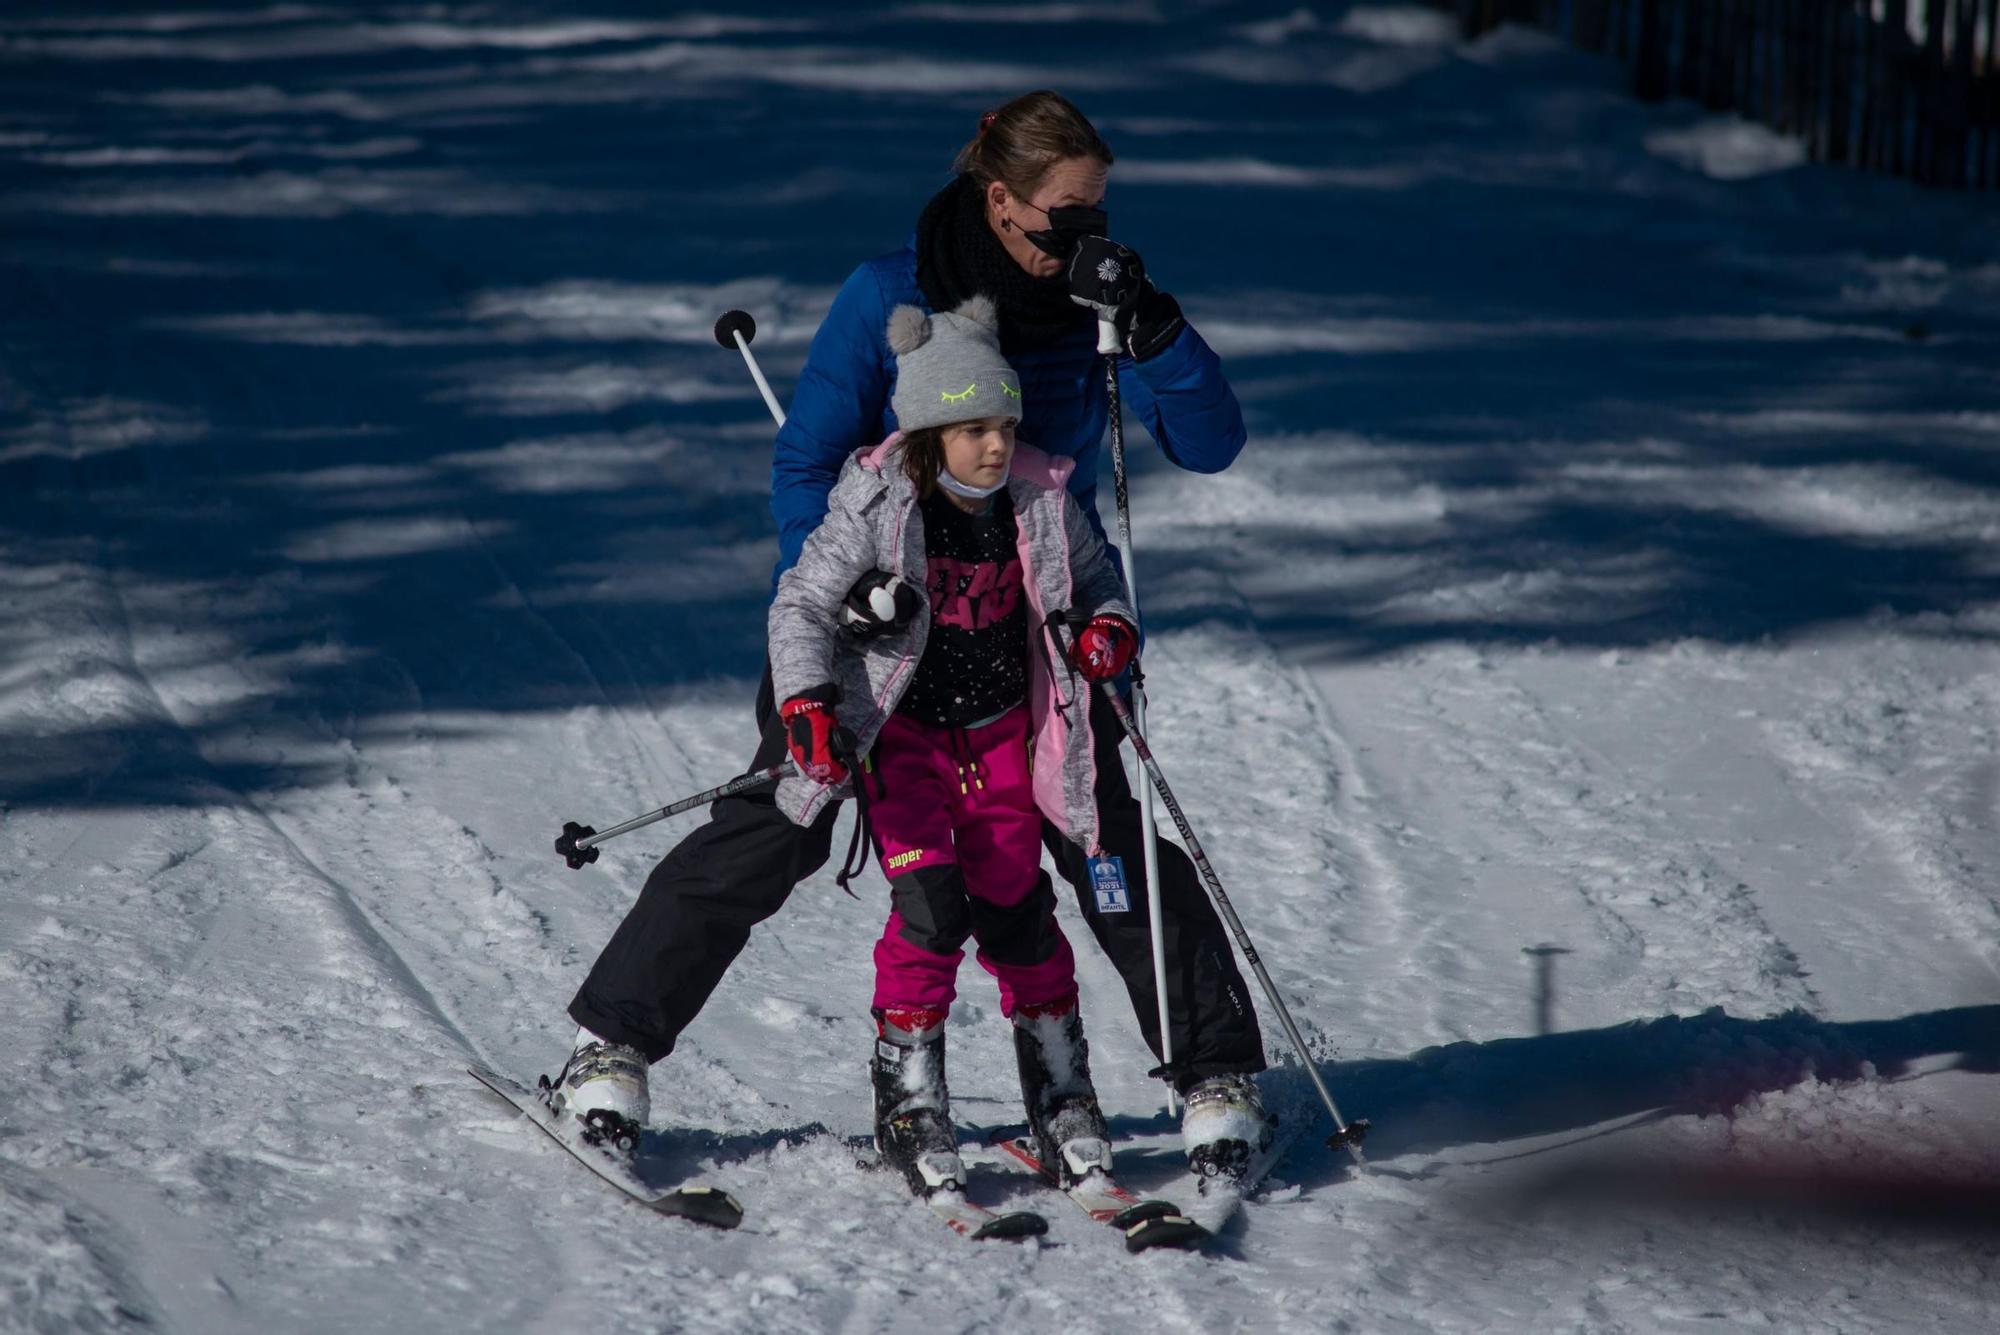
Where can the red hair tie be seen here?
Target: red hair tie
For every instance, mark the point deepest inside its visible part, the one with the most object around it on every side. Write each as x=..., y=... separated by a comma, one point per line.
x=986, y=121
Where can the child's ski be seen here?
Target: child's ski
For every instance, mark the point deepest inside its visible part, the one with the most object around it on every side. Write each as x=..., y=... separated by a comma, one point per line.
x=960, y=1215
x=1146, y=1224
x=703, y=1205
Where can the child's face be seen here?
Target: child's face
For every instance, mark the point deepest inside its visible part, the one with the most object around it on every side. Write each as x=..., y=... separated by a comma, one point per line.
x=977, y=453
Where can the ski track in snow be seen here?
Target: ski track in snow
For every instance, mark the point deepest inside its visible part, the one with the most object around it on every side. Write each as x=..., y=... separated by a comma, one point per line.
x=1608, y=571
x=1660, y=910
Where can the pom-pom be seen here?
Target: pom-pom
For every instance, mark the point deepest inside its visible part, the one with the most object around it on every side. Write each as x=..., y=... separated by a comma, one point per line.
x=909, y=329
x=980, y=311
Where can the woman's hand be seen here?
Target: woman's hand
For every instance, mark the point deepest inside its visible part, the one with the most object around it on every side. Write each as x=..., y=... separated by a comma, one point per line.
x=1111, y=280
x=814, y=735
x=1104, y=648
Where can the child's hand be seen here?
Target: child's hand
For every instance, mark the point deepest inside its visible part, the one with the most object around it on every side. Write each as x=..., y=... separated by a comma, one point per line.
x=1104, y=648
x=879, y=604
x=810, y=729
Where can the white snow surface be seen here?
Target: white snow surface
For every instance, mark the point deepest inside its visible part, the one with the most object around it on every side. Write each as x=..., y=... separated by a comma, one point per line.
x=1612, y=569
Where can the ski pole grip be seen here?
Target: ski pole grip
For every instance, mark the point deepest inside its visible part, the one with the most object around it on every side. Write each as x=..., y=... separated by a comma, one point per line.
x=1107, y=336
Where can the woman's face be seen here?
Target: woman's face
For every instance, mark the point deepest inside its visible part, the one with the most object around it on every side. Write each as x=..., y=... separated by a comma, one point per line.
x=1072, y=181
x=977, y=453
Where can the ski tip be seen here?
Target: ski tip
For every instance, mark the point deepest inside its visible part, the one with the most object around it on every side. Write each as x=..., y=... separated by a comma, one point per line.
x=733, y=323
x=1008, y=1227
x=1132, y=1215
x=1165, y=1230
x=701, y=1205
x=496, y=1083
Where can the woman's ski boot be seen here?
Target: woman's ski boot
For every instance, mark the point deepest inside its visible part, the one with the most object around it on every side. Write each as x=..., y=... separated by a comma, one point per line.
x=1224, y=1125
x=602, y=1088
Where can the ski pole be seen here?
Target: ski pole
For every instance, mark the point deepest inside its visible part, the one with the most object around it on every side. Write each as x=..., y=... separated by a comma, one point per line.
x=578, y=843
x=1346, y=1135
x=735, y=330
x=1149, y=834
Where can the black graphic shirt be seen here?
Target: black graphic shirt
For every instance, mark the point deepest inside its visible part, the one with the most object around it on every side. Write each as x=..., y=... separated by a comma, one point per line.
x=975, y=664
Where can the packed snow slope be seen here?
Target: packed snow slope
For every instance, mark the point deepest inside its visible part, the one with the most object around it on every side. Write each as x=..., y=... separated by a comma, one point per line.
x=1612, y=574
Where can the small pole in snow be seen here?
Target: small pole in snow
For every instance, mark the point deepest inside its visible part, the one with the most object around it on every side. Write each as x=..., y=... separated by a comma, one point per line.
x=1545, y=985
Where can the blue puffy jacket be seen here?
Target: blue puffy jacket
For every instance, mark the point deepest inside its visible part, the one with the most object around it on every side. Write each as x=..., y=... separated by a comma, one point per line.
x=842, y=400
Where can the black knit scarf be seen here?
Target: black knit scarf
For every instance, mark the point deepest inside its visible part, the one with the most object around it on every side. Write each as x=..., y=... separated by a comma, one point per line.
x=959, y=257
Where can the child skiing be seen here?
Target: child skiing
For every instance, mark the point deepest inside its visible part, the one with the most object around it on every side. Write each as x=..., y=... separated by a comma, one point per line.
x=964, y=719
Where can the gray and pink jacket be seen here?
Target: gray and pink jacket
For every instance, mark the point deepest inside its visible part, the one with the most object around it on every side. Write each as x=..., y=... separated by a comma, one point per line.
x=873, y=523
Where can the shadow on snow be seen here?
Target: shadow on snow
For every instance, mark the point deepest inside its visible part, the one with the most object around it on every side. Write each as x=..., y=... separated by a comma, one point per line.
x=370, y=382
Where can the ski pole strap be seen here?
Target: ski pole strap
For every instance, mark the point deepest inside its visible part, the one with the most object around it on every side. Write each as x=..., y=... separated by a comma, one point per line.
x=1062, y=619
x=863, y=838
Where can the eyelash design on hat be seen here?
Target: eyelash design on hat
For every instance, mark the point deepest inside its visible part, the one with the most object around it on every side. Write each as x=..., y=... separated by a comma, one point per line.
x=959, y=397
x=1010, y=391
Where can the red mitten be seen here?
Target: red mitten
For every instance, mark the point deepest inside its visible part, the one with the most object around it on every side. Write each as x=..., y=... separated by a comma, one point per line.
x=809, y=729
x=1104, y=647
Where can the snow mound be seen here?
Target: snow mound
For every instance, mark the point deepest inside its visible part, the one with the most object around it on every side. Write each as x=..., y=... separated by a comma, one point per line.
x=1727, y=148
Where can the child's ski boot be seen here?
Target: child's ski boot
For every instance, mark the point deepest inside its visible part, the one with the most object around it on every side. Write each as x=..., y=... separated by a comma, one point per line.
x=1063, y=1117
x=913, y=1128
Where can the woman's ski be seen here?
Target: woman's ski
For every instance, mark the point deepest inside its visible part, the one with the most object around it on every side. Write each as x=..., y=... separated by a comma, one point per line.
x=702, y=1205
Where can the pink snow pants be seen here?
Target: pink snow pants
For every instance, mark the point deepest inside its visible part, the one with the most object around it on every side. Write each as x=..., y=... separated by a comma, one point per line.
x=960, y=839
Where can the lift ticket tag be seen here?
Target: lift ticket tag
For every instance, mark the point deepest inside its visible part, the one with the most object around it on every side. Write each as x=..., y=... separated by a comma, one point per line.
x=1107, y=882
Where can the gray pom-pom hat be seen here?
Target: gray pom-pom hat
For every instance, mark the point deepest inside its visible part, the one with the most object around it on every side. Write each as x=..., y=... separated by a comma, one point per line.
x=949, y=368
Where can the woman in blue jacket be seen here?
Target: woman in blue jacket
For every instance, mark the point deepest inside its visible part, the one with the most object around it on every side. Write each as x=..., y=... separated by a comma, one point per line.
x=1028, y=193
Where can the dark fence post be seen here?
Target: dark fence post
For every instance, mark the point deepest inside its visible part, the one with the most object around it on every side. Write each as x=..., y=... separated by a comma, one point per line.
x=1869, y=90
x=1929, y=62
x=1715, y=77
x=1987, y=98
x=1805, y=63
x=1753, y=55
x=1958, y=97
x=1649, y=54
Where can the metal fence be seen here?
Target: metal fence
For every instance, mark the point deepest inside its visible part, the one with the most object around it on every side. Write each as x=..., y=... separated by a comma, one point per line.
x=1908, y=87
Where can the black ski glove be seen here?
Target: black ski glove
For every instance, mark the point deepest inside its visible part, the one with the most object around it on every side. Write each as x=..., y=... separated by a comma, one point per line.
x=879, y=604
x=1111, y=280
x=1156, y=322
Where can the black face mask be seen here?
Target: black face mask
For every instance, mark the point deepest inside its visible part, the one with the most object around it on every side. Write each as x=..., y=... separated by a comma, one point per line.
x=1068, y=225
